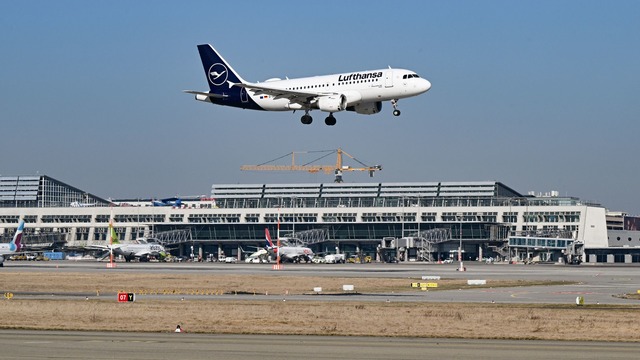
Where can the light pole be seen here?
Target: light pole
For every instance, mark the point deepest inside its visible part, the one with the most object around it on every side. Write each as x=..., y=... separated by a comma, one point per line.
x=461, y=268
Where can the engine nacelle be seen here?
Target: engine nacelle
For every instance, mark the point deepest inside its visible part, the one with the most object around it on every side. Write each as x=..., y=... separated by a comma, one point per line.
x=332, y=103
x=367, y=108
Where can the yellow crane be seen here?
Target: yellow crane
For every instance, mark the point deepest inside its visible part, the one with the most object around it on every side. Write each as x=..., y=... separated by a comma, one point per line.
x=337, y=169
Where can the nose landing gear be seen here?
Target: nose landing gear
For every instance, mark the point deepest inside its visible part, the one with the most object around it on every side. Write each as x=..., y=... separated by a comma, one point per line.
x=394, y=103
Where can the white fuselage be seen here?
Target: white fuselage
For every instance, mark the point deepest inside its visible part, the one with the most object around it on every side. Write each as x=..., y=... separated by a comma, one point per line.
x=359, y=87
x=137, y=250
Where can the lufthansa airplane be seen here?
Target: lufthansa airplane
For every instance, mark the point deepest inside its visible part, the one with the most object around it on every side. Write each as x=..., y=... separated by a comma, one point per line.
x=361, y=91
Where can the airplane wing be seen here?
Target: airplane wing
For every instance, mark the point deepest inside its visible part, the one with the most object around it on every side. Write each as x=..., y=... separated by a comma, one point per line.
x=295, y=96
x=142, y=253
x=147, y=252
x=97, y=247
x=208, y=94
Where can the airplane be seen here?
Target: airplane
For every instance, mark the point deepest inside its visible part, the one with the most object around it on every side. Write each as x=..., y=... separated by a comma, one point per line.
x=140, y=248
x=14, y=246
x=259, y=256
x=176, y=202
x=294, y=254
x=79, y=204
x=360, y=91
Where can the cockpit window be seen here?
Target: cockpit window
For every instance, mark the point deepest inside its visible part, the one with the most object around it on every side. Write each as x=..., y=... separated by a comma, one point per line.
x=410, y=76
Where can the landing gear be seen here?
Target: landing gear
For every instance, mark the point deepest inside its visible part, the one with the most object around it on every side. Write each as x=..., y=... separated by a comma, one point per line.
x=330, y=120
x=394, y=103
x=306, y=118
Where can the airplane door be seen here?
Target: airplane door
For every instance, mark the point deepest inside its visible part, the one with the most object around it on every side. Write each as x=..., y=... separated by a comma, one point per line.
x=244, y=97
x=388, y=78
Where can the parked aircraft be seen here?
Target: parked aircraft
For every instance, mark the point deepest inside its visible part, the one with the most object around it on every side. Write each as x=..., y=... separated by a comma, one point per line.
x=360, y=91
x=14, y=246
x=294, y=254
x=259, y=256
x=140, y=248
x=177, y=202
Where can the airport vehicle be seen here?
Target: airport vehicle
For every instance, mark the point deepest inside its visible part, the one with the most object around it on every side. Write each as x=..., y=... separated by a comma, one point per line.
x=14, y=246
x=293, y=254
x=573, y=253
x=360, y=91
x=334, y=259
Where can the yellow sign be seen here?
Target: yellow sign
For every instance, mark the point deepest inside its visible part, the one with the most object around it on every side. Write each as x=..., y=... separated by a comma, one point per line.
x=424, y=285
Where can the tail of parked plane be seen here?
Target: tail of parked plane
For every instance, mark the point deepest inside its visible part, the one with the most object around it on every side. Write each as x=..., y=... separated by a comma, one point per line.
x=268, y=237
x=113, y=235
x=16, y=243
x=220, y=75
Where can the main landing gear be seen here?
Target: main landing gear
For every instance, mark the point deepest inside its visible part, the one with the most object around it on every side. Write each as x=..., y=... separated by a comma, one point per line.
x=330, y=120
x=394, y=103
x=306, y=118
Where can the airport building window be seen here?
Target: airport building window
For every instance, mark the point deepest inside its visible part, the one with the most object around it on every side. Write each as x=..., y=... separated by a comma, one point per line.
x=102, y=218
x=430, y=216
x=252, y=218
x=9, y=219
x=176, y=218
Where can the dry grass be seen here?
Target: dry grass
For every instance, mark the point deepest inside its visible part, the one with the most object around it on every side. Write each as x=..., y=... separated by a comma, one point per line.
x=200, y=314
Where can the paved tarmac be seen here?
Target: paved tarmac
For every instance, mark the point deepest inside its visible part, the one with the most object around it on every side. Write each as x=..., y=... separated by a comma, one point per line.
x=21, y=344
x=597, y=283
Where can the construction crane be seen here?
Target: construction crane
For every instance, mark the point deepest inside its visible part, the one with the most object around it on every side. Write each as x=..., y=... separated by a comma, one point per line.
x=337, y=169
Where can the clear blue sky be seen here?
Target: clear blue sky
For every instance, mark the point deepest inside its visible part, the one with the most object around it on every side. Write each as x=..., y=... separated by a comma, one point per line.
x=540, y=95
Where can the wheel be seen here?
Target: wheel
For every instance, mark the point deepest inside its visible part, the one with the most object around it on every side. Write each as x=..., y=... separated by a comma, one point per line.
x=396, y=112
x=306, y=119
x=330, y=120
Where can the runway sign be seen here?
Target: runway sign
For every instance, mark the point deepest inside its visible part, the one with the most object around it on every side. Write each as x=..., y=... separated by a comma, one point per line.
x=126, y=297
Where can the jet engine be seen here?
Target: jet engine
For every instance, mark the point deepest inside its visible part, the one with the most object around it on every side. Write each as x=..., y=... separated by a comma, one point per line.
x=332, y=103
x=367, y=108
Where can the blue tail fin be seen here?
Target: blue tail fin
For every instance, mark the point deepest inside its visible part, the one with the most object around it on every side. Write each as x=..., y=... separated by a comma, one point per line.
x=218, y=72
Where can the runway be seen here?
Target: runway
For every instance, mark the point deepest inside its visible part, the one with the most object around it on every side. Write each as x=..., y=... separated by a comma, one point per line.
x=22, y=344
x=595, y=283
x=598, y=284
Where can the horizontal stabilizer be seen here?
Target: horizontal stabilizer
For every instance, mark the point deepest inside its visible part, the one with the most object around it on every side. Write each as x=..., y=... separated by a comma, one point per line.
x=207, y=94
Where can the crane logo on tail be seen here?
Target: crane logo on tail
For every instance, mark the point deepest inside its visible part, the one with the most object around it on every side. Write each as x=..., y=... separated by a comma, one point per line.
x=218, y=74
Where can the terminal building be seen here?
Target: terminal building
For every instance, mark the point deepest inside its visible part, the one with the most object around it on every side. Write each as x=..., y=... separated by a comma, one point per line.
x=418, y=221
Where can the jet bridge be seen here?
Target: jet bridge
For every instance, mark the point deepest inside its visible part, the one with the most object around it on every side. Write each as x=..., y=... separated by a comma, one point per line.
x=419, y=243
x=307, y=237
x=172, y=237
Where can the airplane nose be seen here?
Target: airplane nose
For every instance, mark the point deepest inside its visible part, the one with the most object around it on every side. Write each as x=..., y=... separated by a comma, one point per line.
x=426, y=86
